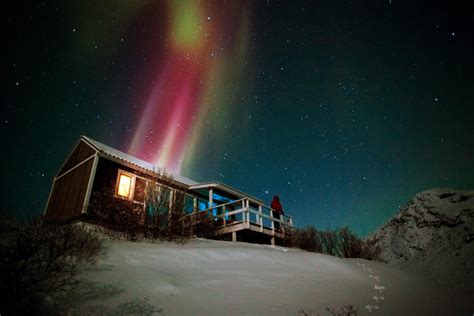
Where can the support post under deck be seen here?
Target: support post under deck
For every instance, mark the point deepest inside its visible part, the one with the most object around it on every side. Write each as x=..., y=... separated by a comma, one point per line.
x=234, y=236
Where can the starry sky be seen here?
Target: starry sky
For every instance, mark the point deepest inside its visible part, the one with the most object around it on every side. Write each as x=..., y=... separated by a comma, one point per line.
x=345, y=109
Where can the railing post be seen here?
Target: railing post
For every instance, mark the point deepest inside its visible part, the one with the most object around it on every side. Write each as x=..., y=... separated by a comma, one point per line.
x=210, y=198
x=273, y=223
x=223, y=214
x=247, y=202
x=244, y=213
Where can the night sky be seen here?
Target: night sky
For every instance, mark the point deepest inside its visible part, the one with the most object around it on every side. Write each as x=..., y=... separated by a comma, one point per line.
x=346, y=109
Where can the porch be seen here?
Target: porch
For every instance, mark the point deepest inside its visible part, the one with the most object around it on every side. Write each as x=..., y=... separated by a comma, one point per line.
x=236, y=215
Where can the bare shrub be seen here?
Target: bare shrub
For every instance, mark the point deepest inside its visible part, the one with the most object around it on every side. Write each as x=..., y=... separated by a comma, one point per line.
x=330, y=242
x=350, y=244
x=40, y=260
x=370, y=250
x=341, y=242
x=166, y=217
x=120, y=219
x=354, y=247
x=204, y=224
x=307, y=238
x=304, y=313
x=345, y=310
x=165, y=214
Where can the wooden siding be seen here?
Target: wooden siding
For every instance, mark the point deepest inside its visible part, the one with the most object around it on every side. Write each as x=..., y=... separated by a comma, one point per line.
x=80, y=153
x=102, y=196
x=105, y=182
x=68, y=193
x=106, y=175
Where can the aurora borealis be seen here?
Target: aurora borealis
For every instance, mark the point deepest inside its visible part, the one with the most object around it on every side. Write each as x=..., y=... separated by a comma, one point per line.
x=201, y=37
x=344, y=109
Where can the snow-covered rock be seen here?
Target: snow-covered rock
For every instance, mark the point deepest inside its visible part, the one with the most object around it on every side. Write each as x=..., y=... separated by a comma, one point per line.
x=433, y=236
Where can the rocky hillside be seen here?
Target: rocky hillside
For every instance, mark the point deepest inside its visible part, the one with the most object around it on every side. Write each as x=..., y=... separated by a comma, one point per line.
x=433, y=236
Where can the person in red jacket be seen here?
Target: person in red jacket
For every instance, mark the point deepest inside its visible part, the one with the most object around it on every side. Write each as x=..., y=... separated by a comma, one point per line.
x=277, y=210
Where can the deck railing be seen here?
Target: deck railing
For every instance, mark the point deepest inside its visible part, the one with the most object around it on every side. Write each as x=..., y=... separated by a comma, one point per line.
x=242, y=211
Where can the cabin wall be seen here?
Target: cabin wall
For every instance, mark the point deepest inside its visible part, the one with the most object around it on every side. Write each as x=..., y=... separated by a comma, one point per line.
x=74, y=193
x=68, y=193
x=103, y=201
x=81, y=152
x=103, y=188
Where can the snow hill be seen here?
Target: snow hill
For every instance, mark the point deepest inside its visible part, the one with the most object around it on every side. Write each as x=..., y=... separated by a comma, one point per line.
x=433, y=236
x=206, y=277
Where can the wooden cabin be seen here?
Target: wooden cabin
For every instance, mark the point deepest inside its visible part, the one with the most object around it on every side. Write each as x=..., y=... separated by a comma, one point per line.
x=96, y=173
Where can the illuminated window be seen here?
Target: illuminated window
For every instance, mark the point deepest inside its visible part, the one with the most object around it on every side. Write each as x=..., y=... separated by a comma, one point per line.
x=125, y=185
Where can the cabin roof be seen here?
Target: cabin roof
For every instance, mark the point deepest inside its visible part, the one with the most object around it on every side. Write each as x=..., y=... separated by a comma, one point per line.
x=112, y=152
x=193, y=185
x=225, y=188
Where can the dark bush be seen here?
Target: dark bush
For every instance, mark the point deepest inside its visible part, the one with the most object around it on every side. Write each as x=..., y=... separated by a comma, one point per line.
x=370, y=250
x=350, y=244
x=345, y=310
x=165, y=220
x=39, y=260
x=340, y=242
x=118, y=218
x=307, y=238
x=204, y=225
x=330, y=242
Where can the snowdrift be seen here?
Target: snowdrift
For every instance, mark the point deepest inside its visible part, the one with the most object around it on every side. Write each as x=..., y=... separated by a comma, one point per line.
x=204, y=277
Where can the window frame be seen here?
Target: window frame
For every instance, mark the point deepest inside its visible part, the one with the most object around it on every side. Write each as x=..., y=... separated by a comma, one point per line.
x=131, y=196
x=132, y=185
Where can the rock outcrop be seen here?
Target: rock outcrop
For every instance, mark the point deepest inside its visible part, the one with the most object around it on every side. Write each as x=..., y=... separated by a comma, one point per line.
x=433, y=236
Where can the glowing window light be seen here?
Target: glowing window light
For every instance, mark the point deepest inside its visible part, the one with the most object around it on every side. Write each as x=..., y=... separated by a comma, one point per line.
x=125, y=185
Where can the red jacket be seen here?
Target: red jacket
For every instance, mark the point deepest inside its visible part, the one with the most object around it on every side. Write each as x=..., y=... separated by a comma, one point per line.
x=276, y=205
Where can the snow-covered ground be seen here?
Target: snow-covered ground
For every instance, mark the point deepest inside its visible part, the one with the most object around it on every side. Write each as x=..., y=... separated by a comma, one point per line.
x=204, y=277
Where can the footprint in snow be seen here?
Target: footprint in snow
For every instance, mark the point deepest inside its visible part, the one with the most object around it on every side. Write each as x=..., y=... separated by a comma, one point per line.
x=379, y=288
x=370, y=308
x=378, y=298
x=375, y=277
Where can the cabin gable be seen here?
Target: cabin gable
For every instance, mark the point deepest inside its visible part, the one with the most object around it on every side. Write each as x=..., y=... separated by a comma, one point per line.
x=81, y=152
x=70, y=187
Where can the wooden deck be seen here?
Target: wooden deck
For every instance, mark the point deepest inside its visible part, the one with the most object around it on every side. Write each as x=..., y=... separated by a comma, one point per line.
x=241, y=215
